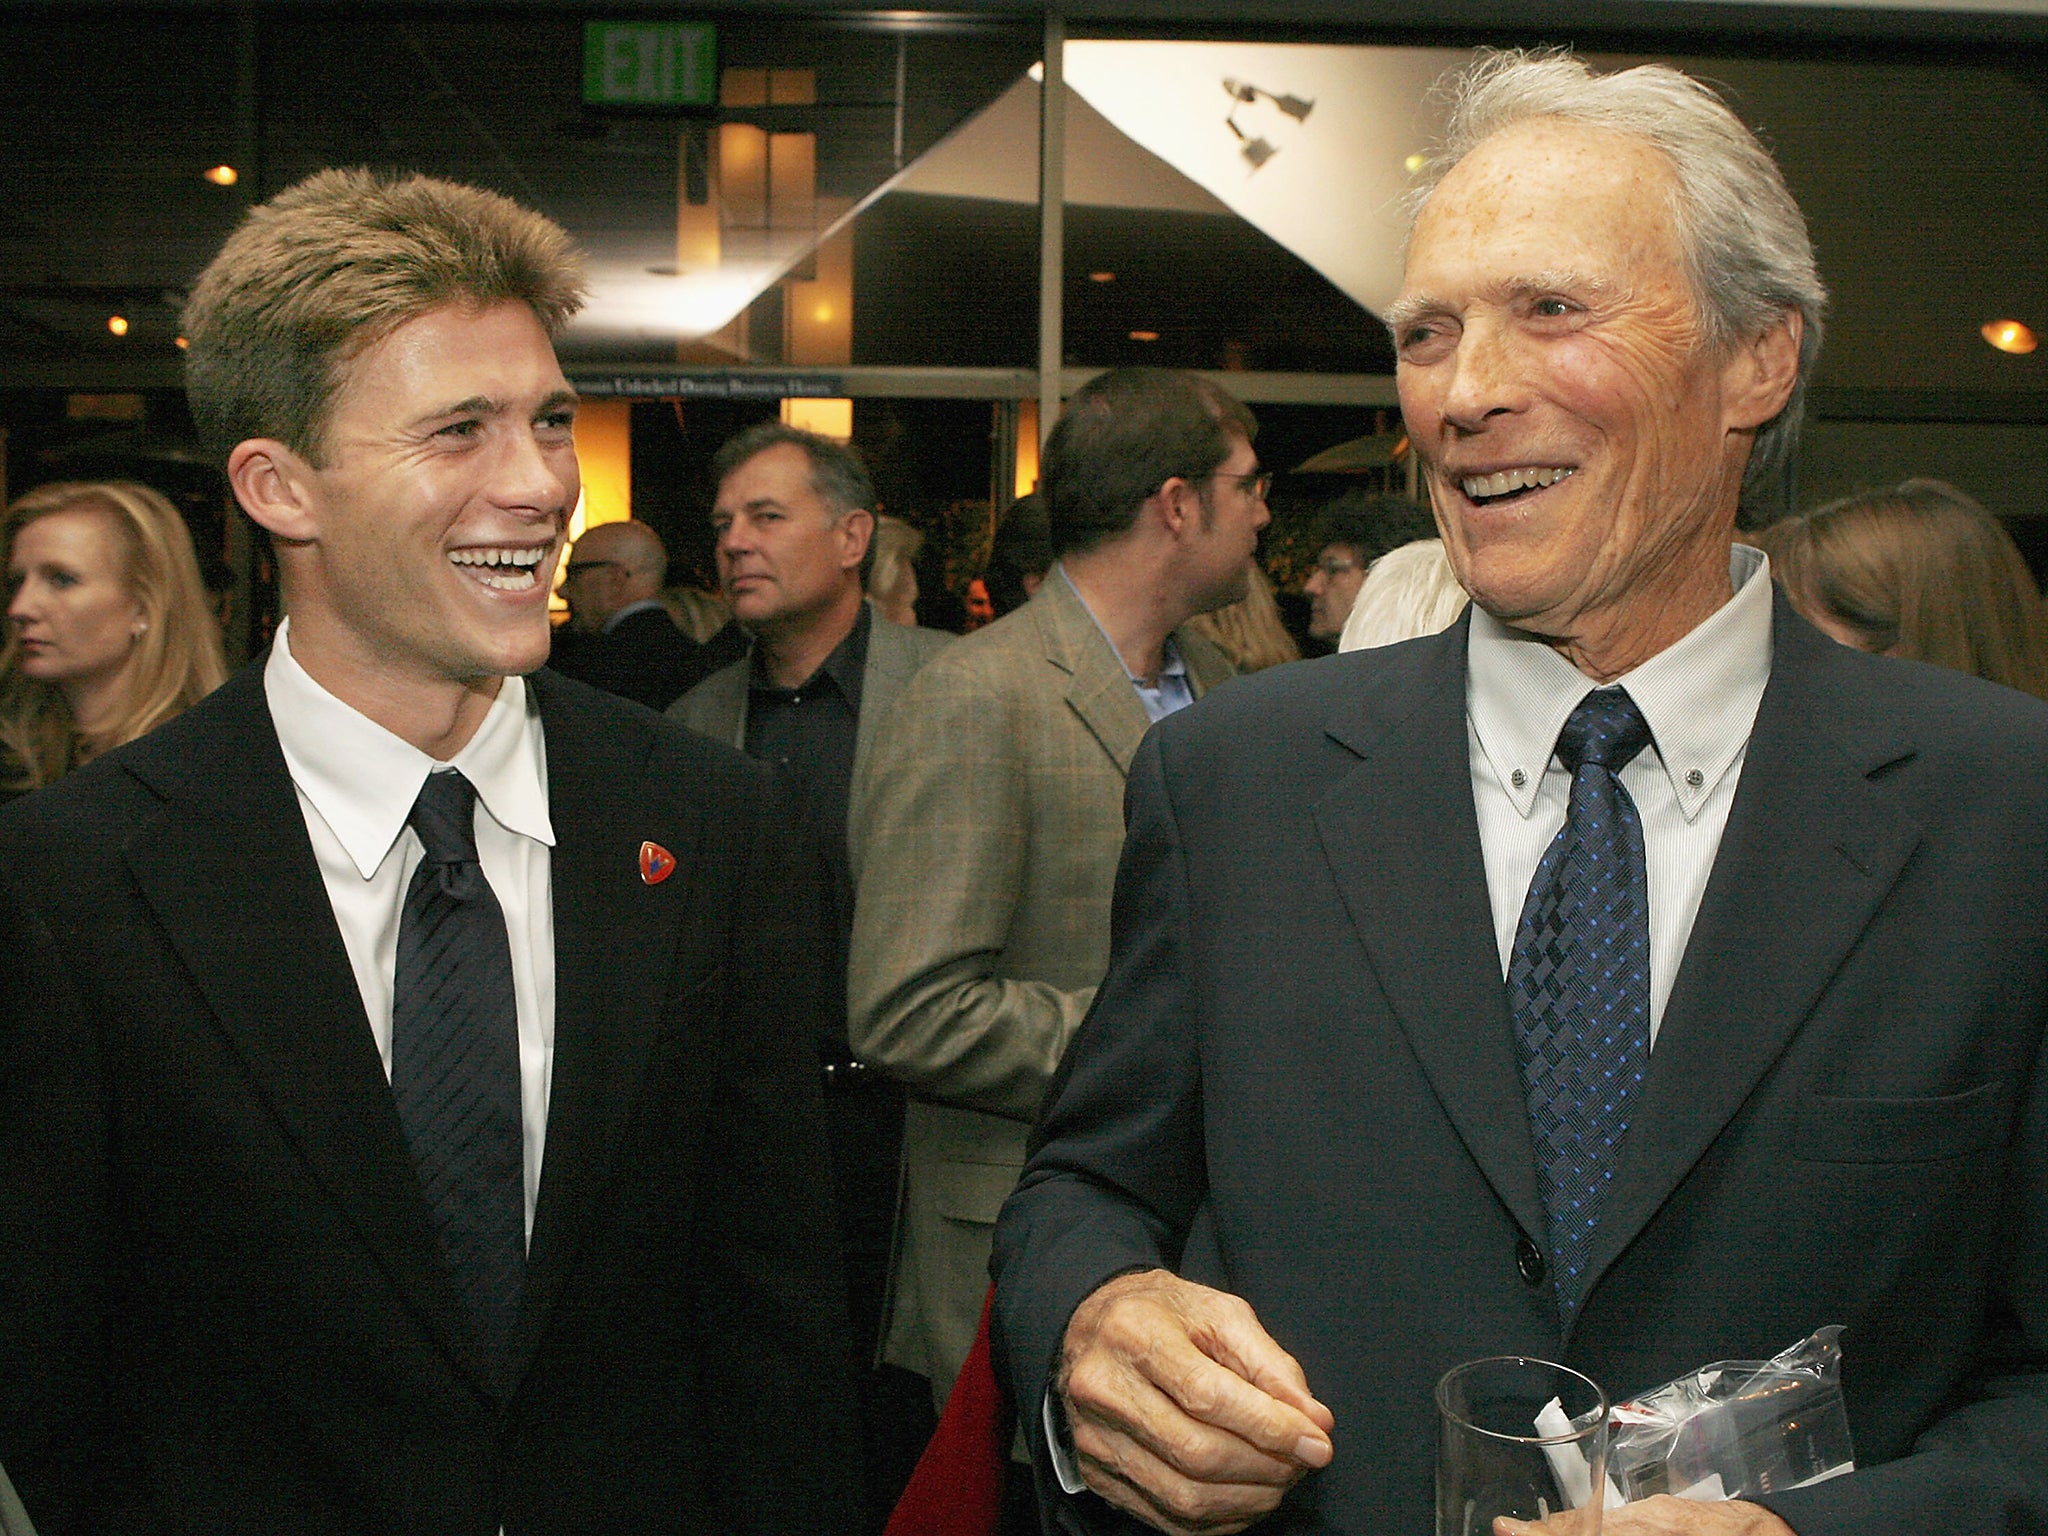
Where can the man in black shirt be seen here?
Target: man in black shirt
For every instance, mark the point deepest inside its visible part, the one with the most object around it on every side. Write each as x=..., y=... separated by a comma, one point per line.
x=794, y=515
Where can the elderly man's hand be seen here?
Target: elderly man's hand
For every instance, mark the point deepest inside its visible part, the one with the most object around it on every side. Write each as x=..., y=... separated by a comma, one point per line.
x=1661, y=1516
x=1184, y=1411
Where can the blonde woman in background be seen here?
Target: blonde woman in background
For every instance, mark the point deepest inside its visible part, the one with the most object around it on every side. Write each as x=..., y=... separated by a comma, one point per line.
x=892, y=580
x=1408, y=592
x=1918, y=570
x=697, y=613
x=109, y=633
x=1249, y=631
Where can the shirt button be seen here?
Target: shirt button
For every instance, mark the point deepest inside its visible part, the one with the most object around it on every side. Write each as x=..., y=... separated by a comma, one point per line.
x=1694, y=778
x=1529, y=1260
x=1518, y=778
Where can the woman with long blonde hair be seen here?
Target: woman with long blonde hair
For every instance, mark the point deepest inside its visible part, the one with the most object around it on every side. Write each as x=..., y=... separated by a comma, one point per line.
x=109, y=632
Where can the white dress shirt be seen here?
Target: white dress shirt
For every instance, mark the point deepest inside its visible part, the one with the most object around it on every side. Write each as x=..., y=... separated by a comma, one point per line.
x=356, y=784
x=1700, y=698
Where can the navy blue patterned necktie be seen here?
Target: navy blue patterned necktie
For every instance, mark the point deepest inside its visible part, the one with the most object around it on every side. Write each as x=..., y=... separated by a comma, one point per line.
x=455, y=1063
x=1579, y=982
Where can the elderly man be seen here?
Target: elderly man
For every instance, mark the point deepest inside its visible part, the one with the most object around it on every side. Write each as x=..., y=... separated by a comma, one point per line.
x=405, y=1121
x=620, y=636
x=1383, y=922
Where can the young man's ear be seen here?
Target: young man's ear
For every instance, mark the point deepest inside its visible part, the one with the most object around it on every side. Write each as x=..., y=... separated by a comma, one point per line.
x=275, y=487
x=1180, y=505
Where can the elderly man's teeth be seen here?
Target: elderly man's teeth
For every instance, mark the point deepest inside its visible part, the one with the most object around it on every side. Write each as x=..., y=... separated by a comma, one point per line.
x=1479, y=487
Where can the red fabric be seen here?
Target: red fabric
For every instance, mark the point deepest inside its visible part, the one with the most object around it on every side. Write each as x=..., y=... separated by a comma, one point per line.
x=957, y=1488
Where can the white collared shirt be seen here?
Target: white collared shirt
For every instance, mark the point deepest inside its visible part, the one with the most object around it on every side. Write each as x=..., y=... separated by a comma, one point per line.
x=1700, y=698
x=356, y=784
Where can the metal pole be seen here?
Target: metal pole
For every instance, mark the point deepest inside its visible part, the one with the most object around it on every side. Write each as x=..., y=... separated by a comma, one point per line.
x=1052, y=222
x=902, y=72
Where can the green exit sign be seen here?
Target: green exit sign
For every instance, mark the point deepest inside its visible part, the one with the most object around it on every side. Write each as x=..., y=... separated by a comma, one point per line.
x=650, y=63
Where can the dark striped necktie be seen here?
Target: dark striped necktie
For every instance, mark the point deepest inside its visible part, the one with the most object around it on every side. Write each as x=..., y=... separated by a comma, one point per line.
x=455, y=1063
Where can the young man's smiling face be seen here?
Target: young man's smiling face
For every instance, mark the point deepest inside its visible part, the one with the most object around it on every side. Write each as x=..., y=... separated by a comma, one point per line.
x=447, y=476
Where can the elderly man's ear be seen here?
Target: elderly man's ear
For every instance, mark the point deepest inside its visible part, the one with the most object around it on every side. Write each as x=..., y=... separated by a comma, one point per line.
x=1758, y=377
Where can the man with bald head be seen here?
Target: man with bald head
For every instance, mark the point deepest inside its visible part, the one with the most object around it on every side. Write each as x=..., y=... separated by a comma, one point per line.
x=1679, y=975
x=620, y=637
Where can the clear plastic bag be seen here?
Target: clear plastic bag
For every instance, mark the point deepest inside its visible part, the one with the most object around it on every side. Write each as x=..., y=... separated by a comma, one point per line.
x=1737, y=1428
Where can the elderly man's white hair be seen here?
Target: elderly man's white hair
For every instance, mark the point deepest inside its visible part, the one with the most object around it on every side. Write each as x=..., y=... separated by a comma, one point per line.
x=1409, y=592
x=1746, y=250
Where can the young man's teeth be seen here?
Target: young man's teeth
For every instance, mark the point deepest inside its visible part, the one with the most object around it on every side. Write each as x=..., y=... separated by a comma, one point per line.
x=509, y=570
x=1478, y=487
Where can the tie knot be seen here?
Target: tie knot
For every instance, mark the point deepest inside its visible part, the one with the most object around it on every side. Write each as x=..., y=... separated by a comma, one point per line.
x=444, y=816
x=1606, y=729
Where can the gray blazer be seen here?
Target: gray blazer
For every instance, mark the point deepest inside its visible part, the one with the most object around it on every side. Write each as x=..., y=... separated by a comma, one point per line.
x=986, y=827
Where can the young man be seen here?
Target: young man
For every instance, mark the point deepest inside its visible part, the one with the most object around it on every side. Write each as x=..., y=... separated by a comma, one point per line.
x=406, y=1122
x=988, y=821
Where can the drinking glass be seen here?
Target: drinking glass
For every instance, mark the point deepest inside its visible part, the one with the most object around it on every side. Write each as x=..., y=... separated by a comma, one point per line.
x=1493, y=1459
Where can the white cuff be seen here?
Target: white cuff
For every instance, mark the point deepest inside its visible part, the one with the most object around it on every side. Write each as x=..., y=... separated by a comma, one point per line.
x=1062, y=1463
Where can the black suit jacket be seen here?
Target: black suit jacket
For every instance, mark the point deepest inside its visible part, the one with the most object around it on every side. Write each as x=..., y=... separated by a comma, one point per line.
x=1305, y=1041
x=646, y=659
x=222, y=1306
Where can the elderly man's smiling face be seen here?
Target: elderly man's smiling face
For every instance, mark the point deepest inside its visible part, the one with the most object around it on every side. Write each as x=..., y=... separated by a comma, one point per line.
x=1583, y=450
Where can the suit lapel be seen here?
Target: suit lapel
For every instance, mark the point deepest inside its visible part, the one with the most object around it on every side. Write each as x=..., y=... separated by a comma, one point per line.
x=1811, y=850
x=1402, y=840
x=615, y=959
x=1098, y=690
x=889, y=666
x=231, y=875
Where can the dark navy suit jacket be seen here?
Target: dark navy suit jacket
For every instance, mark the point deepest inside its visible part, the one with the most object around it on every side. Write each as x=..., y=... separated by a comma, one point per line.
x=1304, y=1041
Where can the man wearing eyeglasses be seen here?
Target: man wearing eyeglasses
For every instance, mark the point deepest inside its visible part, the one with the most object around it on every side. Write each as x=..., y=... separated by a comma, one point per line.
x=619, y=636
x=1357, y=528
x=988, y=821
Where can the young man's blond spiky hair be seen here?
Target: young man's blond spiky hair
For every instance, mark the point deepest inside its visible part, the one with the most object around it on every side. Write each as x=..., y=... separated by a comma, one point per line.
x=334, y=264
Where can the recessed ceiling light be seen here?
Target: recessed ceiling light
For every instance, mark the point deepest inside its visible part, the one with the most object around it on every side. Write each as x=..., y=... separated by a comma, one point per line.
x=117, y=324
x=182, y=344
x=223, y=175
x=2010, y=336
x=1101, y=277
x=1144, y=335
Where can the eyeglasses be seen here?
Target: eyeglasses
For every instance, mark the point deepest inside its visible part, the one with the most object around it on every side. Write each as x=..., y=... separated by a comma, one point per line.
x=1254, y=483
x=1333, y=568
x=576, y=568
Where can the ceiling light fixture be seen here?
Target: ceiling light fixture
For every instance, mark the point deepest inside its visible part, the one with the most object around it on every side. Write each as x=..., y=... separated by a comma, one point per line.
x=1258, y=150
x=1144, y=335
x=1101, y=277
x=2010, y=336
x=181, y=343
x=117, y=325
x=223, y=175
